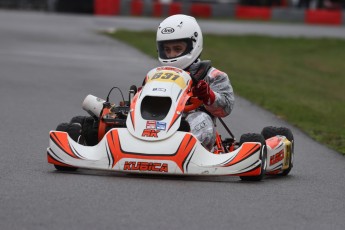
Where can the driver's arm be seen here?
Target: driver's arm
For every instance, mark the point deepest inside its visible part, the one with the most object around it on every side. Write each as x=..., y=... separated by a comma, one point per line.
x=224, y=95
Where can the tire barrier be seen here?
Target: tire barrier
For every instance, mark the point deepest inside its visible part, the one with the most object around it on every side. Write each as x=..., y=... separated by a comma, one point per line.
x=250, y=12
x=323, y=17
x=107, y=7
x=24, y=5
x=221, y=10
x=201, y=10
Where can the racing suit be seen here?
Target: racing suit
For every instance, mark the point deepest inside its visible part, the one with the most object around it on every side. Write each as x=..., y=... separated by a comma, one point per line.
x=202, y=120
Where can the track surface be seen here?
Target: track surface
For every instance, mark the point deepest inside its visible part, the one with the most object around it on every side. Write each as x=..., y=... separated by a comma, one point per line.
x=48, y=64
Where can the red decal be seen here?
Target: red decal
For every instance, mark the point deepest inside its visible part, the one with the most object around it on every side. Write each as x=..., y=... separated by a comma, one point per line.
x=277, y=157
x=145, y=166
x=150, y=133
x=169, y=68
x=61, y=140
x=51, y=160
x=179, y=157
x=151, y=124
x=254, y=172
x=246, y=151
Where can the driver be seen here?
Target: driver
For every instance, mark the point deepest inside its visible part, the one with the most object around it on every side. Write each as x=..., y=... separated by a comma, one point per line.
x=179, y=44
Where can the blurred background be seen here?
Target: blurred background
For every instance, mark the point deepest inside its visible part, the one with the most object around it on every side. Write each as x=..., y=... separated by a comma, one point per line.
x=89, y=6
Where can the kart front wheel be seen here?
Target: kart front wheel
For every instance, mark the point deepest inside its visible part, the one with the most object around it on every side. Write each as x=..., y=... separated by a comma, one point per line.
x=254, y=137
x=73, y=131
x=65, y=168
x=272, y=131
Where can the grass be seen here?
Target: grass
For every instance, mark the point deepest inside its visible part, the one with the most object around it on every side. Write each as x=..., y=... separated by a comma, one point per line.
x=300, y=80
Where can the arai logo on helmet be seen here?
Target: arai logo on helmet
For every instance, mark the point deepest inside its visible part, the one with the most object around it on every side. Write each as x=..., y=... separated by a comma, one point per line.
x=168, y=30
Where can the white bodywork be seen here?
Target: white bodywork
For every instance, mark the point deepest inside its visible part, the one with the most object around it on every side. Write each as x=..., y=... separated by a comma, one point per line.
x=279, y=151
x=159, y=85
x=155, y=146
x=182, y=153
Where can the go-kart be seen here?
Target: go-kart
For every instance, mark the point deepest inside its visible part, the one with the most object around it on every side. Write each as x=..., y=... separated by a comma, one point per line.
x=148, y=134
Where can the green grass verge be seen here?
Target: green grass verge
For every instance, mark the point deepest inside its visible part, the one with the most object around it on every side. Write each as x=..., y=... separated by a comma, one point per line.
x=300, y=80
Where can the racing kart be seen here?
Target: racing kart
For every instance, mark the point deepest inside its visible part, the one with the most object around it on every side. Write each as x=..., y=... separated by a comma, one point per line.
x=148, y=134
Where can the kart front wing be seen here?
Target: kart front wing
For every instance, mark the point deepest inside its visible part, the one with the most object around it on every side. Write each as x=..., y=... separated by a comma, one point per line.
x=180, y=154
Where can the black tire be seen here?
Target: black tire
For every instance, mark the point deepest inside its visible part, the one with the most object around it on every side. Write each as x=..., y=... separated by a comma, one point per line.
x=89, y=129
x=78, y=119
x=74, y=131
x=254, y=137
x=272, y=131
x=65, y=168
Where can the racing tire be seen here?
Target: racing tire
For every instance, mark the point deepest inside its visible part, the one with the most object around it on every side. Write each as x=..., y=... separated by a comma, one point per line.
x=89, y=132
x=271, y=131
x=74, y=131
x=255, y=137
x=78, y=119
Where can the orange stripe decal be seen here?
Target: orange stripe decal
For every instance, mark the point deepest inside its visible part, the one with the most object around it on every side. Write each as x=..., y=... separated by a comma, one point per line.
x=114, y=145
x=245, y=152
x=255, y=172
x=132, y=119
x=183, y=153
x=179, y=157
x=132, y=109
x=51, y=160
x=61, y=140
x=273, y=142
x=180, y=106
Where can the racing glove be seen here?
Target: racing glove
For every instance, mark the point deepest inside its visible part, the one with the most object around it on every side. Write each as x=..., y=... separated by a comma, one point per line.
x=203, y=91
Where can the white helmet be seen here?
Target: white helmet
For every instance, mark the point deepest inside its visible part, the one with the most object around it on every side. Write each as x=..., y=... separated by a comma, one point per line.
x=179, y=27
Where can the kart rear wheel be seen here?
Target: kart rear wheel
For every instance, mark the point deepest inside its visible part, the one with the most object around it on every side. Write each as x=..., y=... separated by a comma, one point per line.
x=272, y=131
x=254, y=137
x=74, y=131
x=78, y=119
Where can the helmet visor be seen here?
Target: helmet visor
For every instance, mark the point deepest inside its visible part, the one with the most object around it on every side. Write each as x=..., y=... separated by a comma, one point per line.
x=171, y=49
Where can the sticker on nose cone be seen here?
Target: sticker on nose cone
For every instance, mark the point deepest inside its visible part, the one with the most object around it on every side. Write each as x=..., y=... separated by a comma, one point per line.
x=161, y=125
x=151, y=124
x=159, y=89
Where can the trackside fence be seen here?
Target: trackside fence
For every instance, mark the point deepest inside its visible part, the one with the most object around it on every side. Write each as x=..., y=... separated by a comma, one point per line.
x=202, y=9
x=218, y=10
x=24, y=4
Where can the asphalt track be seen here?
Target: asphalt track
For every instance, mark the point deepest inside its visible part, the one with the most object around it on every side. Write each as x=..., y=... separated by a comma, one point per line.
x=49, y=63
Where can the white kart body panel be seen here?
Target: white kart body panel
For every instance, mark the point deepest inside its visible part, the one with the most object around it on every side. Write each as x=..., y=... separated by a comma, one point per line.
x=278, y=154
x=175, y=88
x=180, y=154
